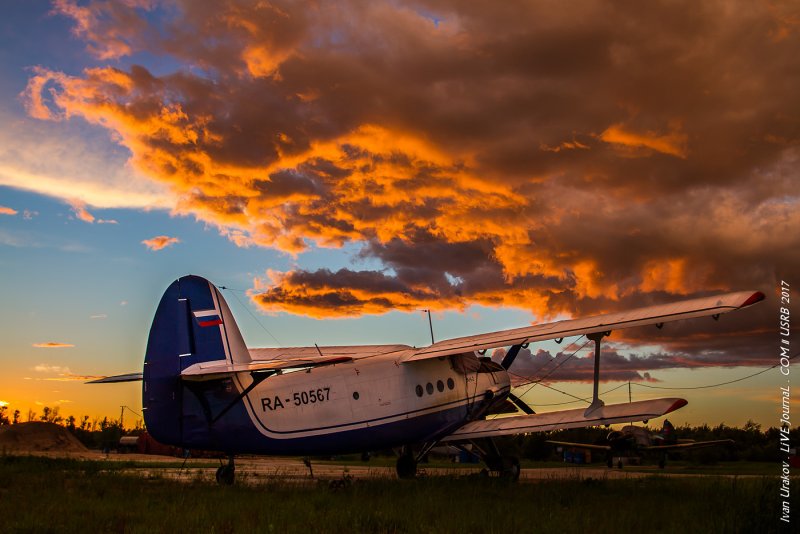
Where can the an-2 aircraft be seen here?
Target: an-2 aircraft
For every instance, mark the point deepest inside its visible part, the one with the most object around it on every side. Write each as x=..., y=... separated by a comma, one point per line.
x=634, y=440
x=204, y=389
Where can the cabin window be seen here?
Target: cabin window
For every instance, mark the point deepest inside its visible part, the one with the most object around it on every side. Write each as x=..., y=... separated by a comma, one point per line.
x=450, y=383
x=440, y=385
x=355, y=395
x=429, y=388
x=419, y=390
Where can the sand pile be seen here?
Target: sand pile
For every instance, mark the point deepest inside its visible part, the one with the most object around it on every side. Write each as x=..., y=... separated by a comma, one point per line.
x=36, y=436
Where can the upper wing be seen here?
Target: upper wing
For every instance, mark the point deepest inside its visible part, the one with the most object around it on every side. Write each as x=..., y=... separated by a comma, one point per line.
x=686, y=309
x=689, y=446
x=604, y=415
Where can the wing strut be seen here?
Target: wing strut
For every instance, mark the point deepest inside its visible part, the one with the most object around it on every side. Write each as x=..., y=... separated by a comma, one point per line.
x=596, y=402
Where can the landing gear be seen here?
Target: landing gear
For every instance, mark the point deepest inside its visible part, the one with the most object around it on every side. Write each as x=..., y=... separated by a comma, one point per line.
x=407, y=465
x=506, y=467
x=511, y=469
x=226, y=474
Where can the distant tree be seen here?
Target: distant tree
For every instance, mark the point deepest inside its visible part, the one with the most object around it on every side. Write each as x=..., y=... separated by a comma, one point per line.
x=3, y=417
x=31, y=415
x=71, y=423
x=50, y=415
x=85, y=423
x=16, y=416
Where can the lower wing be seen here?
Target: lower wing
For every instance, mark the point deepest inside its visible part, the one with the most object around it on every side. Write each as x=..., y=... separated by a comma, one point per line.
x=576, y=418
x=580, y=445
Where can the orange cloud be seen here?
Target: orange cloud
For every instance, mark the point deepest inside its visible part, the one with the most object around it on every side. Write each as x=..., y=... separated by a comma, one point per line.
x=673, y=143
x=460, y=158
x=80, y=211
x=52, y=345
x=64, y=374
x=7, y=211
x=159, y=242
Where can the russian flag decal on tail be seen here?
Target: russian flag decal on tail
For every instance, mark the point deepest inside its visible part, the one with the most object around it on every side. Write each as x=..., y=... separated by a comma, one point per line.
x=207, y=317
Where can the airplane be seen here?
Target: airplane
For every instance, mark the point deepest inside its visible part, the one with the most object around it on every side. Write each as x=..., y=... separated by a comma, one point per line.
x=635, y=440
x=203, y=388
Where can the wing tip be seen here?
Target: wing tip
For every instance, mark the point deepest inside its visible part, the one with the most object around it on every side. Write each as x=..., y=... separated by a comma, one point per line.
x=758, y=296
x=678, y=404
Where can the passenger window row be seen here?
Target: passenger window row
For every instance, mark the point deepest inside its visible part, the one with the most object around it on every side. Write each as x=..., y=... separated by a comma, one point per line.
x=439, y=385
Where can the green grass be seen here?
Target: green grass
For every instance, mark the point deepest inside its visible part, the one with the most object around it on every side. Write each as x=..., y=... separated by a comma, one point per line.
x=60, y=495
x=673, y=466
x=722, y=468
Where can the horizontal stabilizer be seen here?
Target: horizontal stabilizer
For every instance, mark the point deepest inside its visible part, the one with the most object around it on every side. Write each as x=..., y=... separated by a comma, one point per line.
x=130, y=377
x=576, y=418
x=214, y=370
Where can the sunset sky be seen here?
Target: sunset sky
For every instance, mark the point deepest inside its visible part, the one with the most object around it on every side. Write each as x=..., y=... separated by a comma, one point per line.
x=343, y=165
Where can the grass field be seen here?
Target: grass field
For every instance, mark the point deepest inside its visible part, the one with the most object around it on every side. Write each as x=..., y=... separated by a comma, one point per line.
x=62, y=495
x=673, y=467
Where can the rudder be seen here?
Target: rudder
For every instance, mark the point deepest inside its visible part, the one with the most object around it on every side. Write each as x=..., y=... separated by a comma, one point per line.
x=192, y=324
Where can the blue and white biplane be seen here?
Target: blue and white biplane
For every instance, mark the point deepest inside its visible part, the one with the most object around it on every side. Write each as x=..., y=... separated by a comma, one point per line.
x=203, y=388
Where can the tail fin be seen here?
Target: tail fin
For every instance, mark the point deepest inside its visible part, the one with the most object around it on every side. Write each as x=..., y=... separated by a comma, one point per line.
x=192, y=324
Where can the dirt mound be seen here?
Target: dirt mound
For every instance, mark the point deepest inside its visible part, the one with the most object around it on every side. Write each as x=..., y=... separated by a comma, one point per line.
x=36, y=436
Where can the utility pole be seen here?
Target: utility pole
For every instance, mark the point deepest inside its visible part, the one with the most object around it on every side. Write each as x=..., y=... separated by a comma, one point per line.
x=430, y=324
x=629, y=394
x=121, y=416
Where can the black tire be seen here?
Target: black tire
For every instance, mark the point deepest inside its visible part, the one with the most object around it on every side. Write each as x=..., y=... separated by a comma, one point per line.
x=406, y=466
x=226, y=475
x=511, y=468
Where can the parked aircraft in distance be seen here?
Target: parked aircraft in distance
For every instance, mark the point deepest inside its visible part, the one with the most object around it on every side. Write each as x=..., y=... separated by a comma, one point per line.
x=204, y=389
x=637, y=441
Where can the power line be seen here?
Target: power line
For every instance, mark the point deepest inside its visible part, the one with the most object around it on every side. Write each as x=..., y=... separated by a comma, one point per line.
x=587, y=399
x=721, y=383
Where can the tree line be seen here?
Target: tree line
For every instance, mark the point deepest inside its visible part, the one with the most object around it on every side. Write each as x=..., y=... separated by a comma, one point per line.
x=752, y=443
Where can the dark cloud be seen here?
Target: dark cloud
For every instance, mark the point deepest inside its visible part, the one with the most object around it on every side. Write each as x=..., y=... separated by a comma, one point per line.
x=575, y=365
x=571, y=158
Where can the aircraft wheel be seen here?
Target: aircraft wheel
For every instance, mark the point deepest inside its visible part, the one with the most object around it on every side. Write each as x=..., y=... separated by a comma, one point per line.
x=406, y=466
x=226, y=474
x=511, y=468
